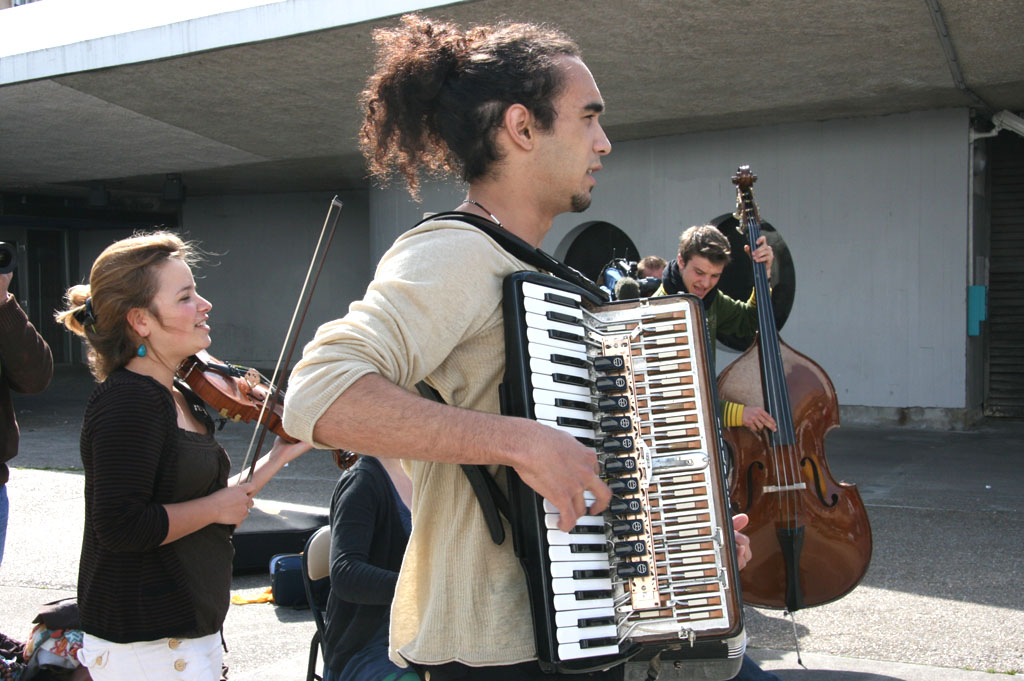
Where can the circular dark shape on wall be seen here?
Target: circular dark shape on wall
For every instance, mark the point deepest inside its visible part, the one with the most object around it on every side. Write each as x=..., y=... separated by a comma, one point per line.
x=594, y=244
x=738, y=276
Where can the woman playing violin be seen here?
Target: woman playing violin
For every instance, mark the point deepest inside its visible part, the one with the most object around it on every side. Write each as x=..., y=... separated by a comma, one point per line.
x=155, y=573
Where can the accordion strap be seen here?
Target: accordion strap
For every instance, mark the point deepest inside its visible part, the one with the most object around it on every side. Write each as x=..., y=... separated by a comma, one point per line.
x=522, y=250
x=493, y=501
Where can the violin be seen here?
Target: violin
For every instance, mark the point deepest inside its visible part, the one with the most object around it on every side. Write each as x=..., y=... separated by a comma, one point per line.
x=235, y=392
x=241, y=394
x=809, y=535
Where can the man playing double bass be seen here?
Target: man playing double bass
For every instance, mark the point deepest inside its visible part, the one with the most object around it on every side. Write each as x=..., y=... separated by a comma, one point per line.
x=703, y=254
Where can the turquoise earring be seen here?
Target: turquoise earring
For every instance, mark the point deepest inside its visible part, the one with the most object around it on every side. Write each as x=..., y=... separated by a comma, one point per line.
x=141, y=352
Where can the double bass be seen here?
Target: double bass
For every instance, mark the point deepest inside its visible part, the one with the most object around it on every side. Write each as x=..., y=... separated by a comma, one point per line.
x=810, y=535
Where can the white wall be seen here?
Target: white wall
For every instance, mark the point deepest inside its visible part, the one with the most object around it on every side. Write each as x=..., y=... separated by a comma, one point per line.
x=265, y=244
x=874, y=211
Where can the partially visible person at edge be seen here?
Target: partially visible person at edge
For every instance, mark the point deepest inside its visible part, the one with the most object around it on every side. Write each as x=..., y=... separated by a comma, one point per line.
x=514, y=112
x=26, y=366
x=370, y=525
x=703, y=254
x=155, y=574
x=651, y=266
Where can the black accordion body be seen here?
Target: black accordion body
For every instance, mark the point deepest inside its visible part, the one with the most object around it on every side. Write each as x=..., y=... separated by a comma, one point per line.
x=656, y=572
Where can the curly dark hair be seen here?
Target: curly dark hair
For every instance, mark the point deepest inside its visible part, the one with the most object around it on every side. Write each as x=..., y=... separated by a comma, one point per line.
x=439, y=94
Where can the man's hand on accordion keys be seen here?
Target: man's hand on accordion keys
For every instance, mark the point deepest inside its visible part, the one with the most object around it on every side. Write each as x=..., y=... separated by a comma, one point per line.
x=562, y=470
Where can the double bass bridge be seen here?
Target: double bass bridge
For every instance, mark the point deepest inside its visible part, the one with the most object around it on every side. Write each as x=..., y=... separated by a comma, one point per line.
x=785, y=488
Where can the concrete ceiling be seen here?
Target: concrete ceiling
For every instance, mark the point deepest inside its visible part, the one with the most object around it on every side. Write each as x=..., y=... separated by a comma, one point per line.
x=282, y=115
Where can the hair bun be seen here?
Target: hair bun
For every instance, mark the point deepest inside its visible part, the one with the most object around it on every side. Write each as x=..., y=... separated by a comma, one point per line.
x=84, y=315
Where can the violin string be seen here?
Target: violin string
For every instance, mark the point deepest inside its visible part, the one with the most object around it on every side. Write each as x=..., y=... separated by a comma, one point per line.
x=273, y=397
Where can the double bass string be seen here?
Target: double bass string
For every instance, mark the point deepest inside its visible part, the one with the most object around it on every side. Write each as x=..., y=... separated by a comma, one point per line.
x=774, y=376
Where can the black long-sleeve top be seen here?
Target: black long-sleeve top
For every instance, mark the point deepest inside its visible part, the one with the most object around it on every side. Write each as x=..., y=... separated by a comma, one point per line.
x=26, y=366
x=130, y=588
x=367, y=544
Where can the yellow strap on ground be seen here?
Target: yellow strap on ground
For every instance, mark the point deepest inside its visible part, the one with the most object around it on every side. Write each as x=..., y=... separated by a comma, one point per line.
x=264, y=597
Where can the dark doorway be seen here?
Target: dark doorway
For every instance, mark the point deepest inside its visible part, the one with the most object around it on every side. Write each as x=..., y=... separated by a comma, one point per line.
x=1004, y=359
x=593, y=245
x=46, y=264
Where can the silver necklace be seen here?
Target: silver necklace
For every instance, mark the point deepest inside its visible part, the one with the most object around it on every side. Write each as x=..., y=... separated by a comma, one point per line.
x=489, y=213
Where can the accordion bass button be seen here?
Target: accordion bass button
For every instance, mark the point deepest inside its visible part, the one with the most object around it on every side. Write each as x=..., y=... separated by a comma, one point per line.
x=613, y=404
x=619, y=465
x=616, y=424
x=630, y=570
x=609, y=363
x=611, y=384
x=626, y=528
x=617, y=444
x=627, y=549
x=624, y=486
x=620, y=507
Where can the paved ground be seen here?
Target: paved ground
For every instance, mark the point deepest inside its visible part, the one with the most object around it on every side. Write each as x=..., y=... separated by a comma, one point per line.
x=943, y=599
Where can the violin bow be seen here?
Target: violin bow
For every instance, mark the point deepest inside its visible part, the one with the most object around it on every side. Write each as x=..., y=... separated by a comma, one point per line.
x=292, y=336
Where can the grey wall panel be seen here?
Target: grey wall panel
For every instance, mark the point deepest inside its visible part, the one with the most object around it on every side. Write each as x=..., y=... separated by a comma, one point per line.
x=874, y=211
x=393, y=211
x=265, y=244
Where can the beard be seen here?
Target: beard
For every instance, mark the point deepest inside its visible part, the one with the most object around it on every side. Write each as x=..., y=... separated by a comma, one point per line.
x=580, y=202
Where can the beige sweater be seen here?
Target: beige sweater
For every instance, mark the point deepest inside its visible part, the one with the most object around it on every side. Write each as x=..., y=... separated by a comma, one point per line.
x=433, y=312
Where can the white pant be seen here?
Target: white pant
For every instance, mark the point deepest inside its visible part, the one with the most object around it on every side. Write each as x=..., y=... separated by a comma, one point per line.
x=167, y=659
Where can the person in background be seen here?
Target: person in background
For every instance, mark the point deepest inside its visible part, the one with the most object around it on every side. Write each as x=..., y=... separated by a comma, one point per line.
x=154, y=578
x=370, y=526
x=703, y=254
x=651, y=266
x=26, y=366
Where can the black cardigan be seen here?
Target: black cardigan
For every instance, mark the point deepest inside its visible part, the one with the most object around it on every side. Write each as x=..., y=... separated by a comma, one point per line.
x=367, y=544
x=130, y=588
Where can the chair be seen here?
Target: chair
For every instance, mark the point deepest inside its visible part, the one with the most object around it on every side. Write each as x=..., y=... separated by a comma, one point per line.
x=316, y=570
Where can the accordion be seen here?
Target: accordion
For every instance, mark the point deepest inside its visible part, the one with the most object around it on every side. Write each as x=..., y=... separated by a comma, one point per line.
x=656, y=573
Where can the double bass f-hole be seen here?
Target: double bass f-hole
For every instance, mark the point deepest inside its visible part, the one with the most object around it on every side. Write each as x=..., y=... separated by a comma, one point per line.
x=809, y=535
x=819, y=483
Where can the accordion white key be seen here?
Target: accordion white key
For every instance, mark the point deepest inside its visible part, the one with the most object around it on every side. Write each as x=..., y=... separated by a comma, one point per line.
x=657, y=572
